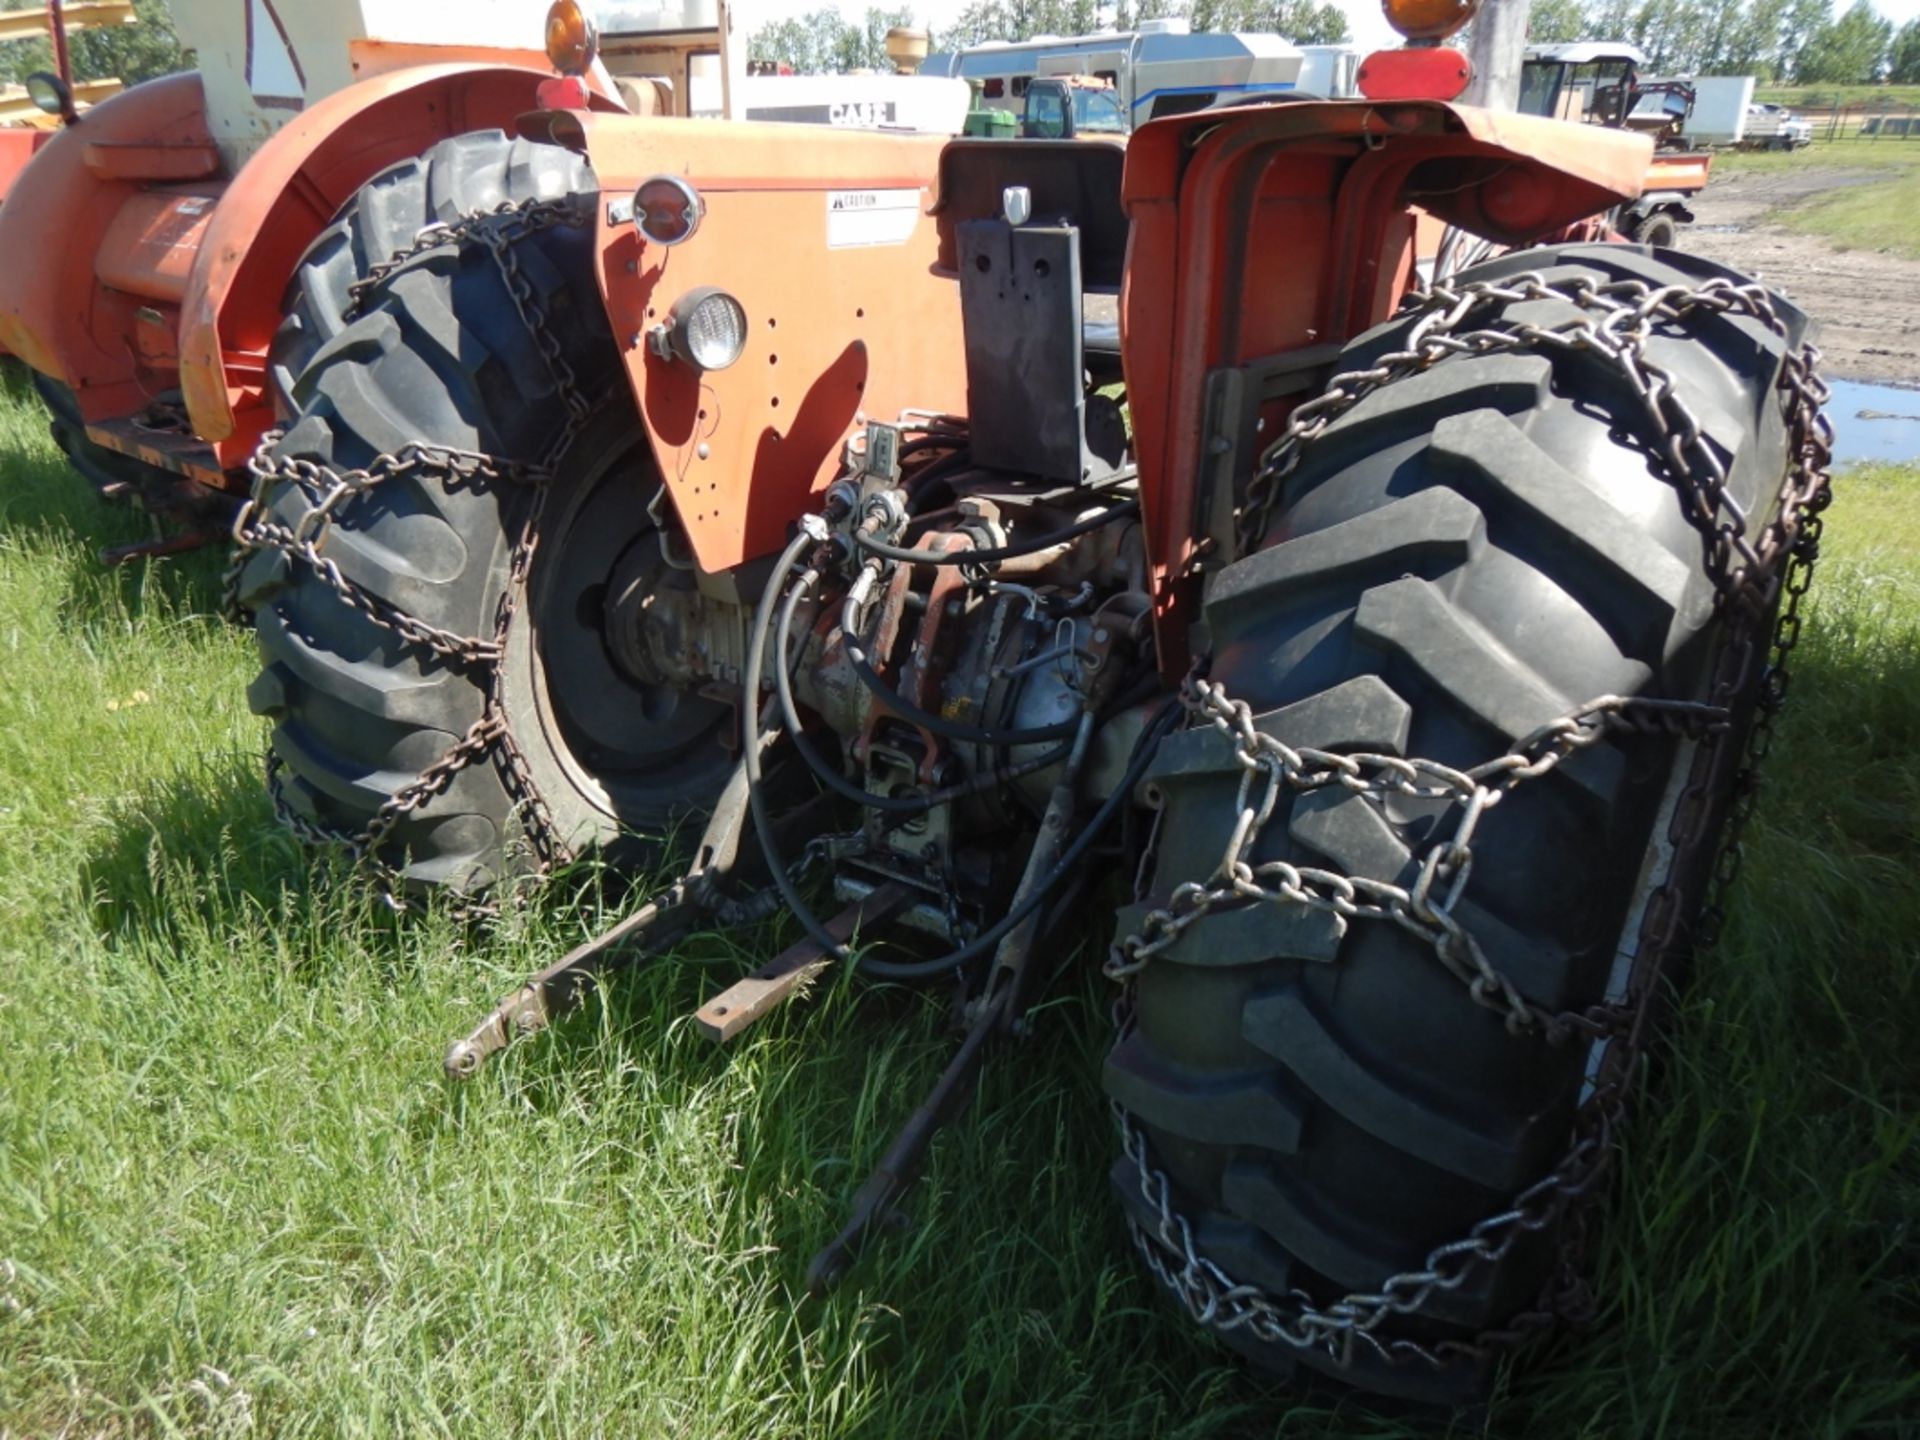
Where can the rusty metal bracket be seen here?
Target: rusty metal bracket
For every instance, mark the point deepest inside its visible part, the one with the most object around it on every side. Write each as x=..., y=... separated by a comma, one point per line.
x=759, y=994
x=558, y=988
x=666, y=918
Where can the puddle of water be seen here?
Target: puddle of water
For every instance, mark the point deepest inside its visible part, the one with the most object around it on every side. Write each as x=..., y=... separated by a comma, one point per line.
x=1874, y=422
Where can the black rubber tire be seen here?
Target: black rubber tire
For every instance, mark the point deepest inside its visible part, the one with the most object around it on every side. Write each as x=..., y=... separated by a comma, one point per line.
x=439, y=353
x=1662, y=230
x=460, y=176
x=1468, y=553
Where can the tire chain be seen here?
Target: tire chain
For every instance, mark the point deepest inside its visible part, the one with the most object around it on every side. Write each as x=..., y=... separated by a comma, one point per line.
x=1749, y=578
x=328, y=491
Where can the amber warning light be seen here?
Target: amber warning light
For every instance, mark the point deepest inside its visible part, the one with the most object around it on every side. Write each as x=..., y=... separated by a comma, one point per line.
x=571, y=40
x=1428, y=20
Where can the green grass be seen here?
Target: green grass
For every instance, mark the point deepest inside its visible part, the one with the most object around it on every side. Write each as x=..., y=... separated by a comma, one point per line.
x=1864, y=217
x=235, y=1191
x=1825, y=97
x=1898, y=157
x=1872, y=216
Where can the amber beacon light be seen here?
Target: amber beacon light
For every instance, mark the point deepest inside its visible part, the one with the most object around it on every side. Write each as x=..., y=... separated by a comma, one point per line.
x=1428, y=21
x=571, y=40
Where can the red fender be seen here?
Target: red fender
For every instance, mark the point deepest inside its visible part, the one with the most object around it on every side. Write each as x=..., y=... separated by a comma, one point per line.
x=1270, y=234
x=284, y=197
x=56, y=313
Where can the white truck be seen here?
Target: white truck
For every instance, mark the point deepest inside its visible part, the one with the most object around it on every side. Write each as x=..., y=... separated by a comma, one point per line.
x=1162, y=68
x=1774, y=127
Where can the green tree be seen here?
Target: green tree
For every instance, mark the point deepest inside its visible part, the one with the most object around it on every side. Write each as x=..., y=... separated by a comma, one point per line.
x=821, y=42
x=1128, y=14
x=134, y=52
x=1304, y=22
x=1850, y=51
x=1903, y=60
x=1550, y=22
x=1748, y=43
x=1800, y=22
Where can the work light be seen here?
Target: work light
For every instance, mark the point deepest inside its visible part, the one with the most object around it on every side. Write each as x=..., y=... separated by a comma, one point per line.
x=707, y=328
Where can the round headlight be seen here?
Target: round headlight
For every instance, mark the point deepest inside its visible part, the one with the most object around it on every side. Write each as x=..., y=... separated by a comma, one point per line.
x=1428, y=19
x=572, y=41
x=667, y=210
x=707, y=328
x=49, y=93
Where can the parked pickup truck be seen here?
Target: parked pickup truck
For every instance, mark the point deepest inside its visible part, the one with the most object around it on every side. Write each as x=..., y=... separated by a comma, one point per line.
x=1774, y=127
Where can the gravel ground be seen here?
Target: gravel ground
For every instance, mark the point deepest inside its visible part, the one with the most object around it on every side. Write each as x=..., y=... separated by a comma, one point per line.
x=1867, y=304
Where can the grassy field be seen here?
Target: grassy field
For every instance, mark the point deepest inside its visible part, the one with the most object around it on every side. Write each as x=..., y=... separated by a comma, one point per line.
x=236, y=1195
x=1876, y=215
x=1825, y=97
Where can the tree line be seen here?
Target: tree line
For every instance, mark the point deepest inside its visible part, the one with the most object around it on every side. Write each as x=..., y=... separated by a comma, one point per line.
x=826, y=42
x=1801, y=42
x=132, y=53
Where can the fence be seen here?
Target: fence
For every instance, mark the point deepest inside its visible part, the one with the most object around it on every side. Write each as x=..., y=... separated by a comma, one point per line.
x=1867, y=120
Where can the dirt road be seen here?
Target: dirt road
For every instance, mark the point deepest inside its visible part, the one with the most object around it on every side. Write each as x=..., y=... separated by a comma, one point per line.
x=1868, y=304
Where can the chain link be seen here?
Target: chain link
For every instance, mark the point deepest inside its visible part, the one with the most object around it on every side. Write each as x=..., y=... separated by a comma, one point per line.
x=1269, y=770
x=329, y=491
x=1749, y=576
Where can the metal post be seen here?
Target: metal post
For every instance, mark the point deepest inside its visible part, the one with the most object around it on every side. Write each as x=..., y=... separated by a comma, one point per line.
x=1497, y=47
x=57, y=29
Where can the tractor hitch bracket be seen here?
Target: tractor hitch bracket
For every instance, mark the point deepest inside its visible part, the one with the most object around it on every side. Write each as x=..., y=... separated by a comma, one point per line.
x=664, y=919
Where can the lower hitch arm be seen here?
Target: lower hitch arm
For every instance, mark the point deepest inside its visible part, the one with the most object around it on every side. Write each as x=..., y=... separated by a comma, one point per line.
x=992, y=1014
x=664, y=920
x=900, y=1167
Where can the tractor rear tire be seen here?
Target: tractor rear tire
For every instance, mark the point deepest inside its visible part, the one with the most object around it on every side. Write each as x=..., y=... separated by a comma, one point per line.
x=438, y=353
x=461, y=176
x=1468, y=553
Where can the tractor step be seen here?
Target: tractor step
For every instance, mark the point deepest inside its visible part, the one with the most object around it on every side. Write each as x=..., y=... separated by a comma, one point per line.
x=154, y=438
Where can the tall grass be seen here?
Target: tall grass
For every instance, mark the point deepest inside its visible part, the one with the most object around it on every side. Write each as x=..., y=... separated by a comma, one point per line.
x=235, y=1193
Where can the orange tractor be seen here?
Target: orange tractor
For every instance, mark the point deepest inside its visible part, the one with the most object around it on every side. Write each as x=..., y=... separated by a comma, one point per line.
x=1393, y=649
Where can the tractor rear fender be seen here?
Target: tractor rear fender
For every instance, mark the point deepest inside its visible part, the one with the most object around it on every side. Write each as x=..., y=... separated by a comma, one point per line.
x=286, y=194
x=1263, y=239
x=65, y=211
x=829, y=240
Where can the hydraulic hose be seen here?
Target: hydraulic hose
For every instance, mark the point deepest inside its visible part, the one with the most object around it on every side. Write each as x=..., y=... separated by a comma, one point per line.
x=750, y=735
x=1000, y=552
x=776, y=863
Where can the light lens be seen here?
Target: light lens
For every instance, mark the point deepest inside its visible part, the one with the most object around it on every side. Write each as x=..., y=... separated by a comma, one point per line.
x=667, y=210
x=48, y=92
x=709, y=328
x=571, y=41
x=1428, y=19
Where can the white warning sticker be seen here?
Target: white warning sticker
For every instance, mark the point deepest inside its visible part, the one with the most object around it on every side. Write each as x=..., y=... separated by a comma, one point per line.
x=871, y=217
